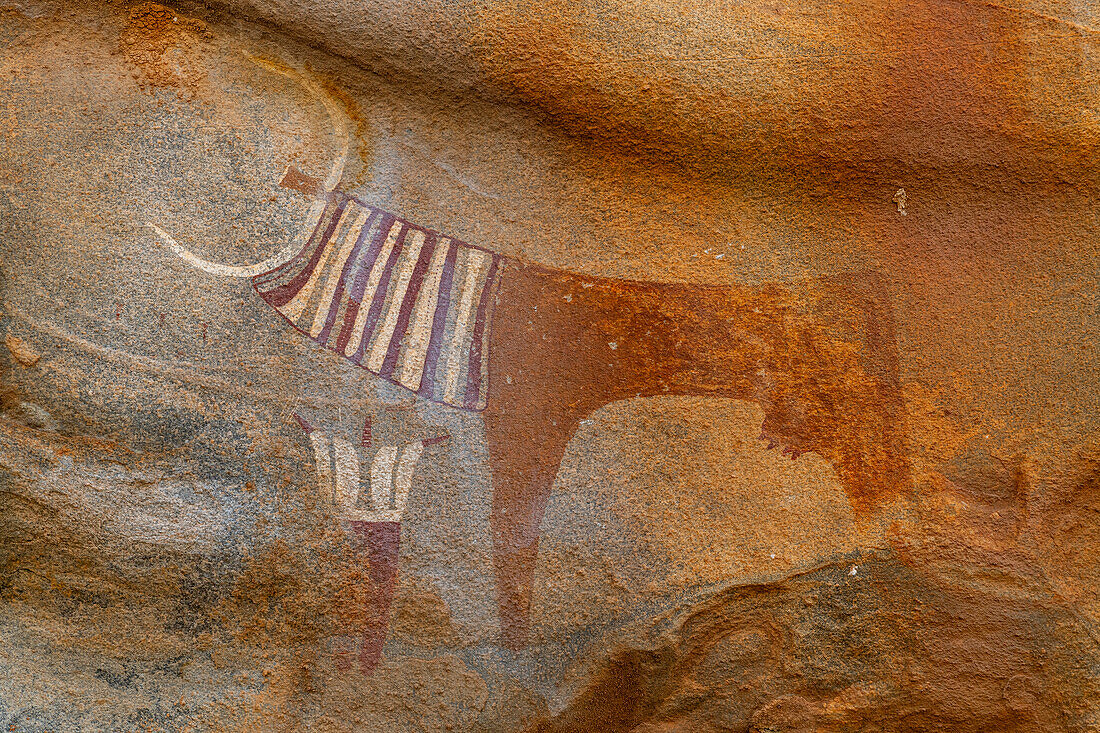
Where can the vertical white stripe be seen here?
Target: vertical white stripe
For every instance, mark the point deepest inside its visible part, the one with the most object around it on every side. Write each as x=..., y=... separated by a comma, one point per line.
x=414, y=242
x=293, y=309
x=334, y=273
x=372, y=285
x=322, y=454
x=457, y=350
x=381, y=478
x=411, y=369
x=403, y=479
x=347, y=473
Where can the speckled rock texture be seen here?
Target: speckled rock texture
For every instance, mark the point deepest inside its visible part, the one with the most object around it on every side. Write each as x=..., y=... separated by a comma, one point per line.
x=494, y=365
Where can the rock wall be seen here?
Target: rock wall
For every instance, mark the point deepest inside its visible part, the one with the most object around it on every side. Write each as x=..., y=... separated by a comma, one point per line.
x=511, y=366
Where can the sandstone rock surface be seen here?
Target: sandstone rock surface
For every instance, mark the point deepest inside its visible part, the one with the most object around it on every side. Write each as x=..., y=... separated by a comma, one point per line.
x=722, y=366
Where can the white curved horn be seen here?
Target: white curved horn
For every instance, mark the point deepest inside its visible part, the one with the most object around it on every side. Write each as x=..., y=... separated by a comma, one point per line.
x=342, y=129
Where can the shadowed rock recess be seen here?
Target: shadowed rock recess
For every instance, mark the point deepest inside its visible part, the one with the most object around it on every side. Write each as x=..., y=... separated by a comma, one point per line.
x=649, y=366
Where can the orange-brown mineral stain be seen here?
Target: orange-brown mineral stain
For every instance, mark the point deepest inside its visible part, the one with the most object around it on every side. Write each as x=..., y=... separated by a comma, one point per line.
x=361, y=125
x=161, y=43
x=747, y=86
x=348, y=104
x=281, y=596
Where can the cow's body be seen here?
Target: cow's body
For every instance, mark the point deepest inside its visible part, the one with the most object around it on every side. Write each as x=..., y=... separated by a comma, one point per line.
x=537, y=350
x=818, y=357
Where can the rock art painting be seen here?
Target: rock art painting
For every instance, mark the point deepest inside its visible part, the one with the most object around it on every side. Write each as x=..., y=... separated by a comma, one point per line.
x=539, y=367
x=367, y=487
x=537, y=350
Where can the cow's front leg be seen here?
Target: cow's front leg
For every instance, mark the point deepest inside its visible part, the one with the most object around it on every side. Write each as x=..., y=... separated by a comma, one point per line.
x=553, y=359
x=526, y=444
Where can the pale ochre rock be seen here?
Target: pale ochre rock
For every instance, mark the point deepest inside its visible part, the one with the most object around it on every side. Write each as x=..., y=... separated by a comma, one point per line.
x=21, y=350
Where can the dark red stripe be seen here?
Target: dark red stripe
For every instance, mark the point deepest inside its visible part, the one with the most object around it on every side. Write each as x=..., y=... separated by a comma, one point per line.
x=388, y=220
x=303, y=423
x=334, y=308
x=280, y=296
x=473, y=371
x=405, y=314
x=356, y=292
x=379, y=300
x=439, y=321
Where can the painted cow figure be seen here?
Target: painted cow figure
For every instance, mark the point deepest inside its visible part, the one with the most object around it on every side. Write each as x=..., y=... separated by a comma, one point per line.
x=536, y=350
